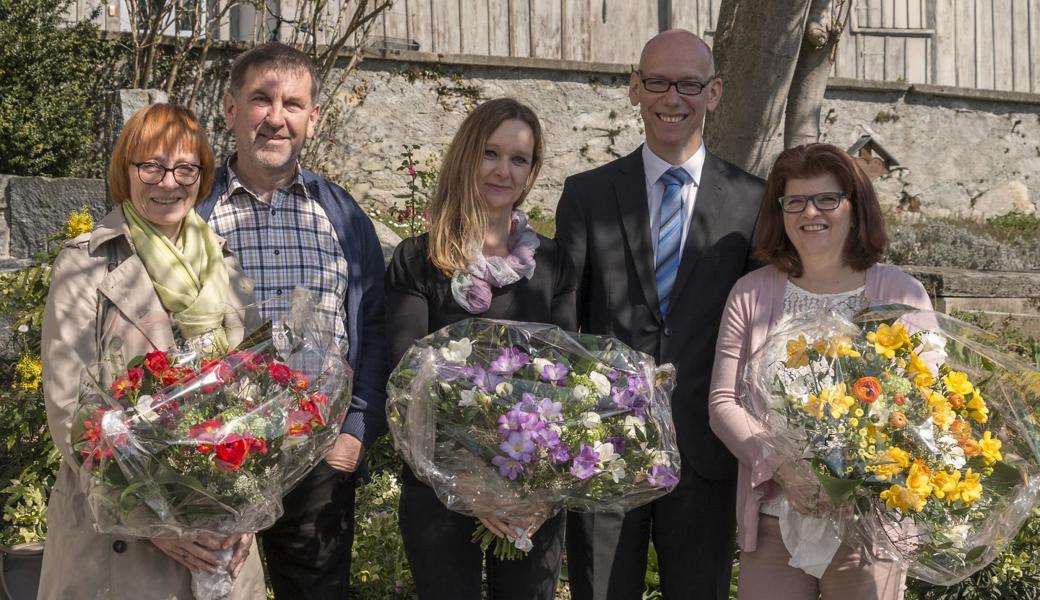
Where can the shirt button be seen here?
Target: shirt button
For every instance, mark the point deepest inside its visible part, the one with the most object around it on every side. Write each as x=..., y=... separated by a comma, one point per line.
x=273, y=211
x=277, y=252
x=119, y=546
x=667, y=332
x=279, y=292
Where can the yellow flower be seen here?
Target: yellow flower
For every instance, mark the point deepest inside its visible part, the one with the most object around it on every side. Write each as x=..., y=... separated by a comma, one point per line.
x=942, y=413
x=990, y=448
x=919, y=479
x=853, y=422
x=958, y=382
x=888, y=339
x=905, y=499
x=919, y=371
x=890, y=464
x=944, y=484
x=27, y=373
x=814, y=406
x=79, y=223
x=977, y=408
x=970, y=488
x=838, y=400
x=836, y=347
x=797, y=353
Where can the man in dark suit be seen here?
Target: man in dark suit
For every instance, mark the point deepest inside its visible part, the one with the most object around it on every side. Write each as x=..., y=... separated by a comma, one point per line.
x=658, y=238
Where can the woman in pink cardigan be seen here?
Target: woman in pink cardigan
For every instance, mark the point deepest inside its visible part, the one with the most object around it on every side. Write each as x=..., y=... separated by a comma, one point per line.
x=821, y=231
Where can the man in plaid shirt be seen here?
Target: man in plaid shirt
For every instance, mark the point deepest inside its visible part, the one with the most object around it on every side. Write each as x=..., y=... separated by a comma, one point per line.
x=289, y=227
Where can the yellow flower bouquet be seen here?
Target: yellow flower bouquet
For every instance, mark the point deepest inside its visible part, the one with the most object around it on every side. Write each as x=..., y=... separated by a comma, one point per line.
x=919, y=432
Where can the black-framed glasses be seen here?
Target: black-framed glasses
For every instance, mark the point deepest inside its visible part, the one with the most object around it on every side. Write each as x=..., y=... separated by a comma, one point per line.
x=658, y=85
x=151, y=172
x=823, y=201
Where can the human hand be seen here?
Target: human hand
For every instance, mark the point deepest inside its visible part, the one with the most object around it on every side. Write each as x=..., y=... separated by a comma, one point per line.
x=346, y=453
x=802, y=490
x=512, y=528
x=195, y=553
x=241, y=543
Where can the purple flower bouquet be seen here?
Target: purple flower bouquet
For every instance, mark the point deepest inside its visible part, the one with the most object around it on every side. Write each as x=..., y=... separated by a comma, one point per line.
x=508, y=420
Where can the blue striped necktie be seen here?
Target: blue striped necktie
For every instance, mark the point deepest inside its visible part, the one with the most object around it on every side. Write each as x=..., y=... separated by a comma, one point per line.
x=669, y=237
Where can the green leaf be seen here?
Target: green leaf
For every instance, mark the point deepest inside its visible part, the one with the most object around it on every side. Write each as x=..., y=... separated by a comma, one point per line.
x=1004, y=478
x=839, y=490
x=975, y=553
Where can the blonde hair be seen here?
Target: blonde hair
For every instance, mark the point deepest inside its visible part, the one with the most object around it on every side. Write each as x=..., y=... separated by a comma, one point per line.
x=457, y=215
x=158, y=127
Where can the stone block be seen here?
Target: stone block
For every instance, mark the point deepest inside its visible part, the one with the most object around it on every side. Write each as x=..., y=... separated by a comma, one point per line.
x=388, y=240
x=39, y=206
x=1006, y=198
x=127, y=102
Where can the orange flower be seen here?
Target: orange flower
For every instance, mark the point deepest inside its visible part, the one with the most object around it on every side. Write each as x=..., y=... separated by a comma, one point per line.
x=960, y=430
x=899, y=398
x=971, y=448
x=897, y=420
x=956, y=400
x=867, y=389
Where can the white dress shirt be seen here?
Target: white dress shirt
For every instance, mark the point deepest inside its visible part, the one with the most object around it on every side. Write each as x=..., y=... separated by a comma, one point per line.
x=655, y=166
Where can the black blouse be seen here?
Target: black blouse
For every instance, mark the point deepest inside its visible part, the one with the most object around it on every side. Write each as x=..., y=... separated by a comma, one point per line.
x=419, y=300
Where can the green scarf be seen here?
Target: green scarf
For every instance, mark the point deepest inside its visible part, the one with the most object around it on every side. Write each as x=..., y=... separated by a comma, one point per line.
x=189, y=276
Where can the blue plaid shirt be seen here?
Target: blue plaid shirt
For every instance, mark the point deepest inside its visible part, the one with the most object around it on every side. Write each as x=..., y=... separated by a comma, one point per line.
x=284, y=243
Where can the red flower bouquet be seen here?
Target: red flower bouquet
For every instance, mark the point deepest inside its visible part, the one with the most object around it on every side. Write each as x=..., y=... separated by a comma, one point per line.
x=175, y=443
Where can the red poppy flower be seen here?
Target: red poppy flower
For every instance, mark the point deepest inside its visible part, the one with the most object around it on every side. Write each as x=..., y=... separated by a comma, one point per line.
x=174, y=375
x=218, y=373
x=299, y=382
x=232, y=451
x=280, y=373
x=320, y=399
x=300, y=423
x=315, y=410
x=207, y=433
x=131, y=382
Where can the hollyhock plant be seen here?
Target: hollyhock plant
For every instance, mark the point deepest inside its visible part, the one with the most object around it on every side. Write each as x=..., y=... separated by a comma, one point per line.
x=523, y=420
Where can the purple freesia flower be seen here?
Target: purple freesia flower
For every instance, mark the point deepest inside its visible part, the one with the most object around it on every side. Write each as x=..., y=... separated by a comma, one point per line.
x=518, y=420
x=507, y=467
x=485, y=381
x=613, y=374
x=618, y=442
x=555, y=373
x=509, y=361
x=637, y=383
x=519, y=446
x=560, y=453
x=549, y=410
x=584, y=464
x=662, y=476
x=630, y=400
x=547, y=438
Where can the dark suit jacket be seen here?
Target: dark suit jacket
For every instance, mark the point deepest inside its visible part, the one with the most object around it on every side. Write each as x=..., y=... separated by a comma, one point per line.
x=603, y=222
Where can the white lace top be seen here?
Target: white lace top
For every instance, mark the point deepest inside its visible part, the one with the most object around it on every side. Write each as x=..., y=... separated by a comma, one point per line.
x=811, y=542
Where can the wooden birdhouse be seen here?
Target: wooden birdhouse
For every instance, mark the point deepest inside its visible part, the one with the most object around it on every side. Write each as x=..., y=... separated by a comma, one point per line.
x=872, y=157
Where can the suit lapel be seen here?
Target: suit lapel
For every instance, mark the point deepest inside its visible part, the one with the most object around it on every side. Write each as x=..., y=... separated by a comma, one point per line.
x=707, y=210
x=630, y=191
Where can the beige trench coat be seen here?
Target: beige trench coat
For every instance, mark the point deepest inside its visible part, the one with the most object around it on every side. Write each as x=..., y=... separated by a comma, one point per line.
x=100, y=269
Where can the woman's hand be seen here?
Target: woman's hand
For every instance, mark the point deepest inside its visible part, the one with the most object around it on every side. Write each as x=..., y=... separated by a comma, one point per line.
x=199, y=553
x=508, y=528
x=195, y=553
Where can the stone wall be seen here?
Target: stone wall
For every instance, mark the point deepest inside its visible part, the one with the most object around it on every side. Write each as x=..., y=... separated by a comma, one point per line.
x=961, y=152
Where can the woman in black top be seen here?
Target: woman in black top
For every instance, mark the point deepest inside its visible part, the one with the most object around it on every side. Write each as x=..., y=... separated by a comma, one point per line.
x=480, y=259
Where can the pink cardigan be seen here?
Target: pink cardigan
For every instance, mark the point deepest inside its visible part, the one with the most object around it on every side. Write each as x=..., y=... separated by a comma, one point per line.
x=754, y=308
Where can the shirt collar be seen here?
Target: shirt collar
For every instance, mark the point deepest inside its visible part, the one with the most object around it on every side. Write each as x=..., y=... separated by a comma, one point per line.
x=234, y=183
x=655, y=166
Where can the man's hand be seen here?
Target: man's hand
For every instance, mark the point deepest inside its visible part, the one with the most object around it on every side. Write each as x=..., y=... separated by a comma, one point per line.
x=346, y=454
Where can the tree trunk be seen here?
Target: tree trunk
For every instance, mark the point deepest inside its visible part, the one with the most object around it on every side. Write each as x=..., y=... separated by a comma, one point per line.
x=756, y=48
x=805, y=98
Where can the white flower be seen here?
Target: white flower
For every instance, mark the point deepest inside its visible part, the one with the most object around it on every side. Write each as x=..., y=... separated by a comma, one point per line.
x=932, y=341
x=926, y=434
x=144, y=409
x=523, y=541
x=467, y=398
x=504, y=389
x=958, y=534
x=661, y=458
x=580, y=392
x=634, y=425
x=589, y=419
x=605, y=451
x=952, y=453
x=457, y=351
x=541, y=363
x=601, y=382
x=616, y=469
x=23, y=328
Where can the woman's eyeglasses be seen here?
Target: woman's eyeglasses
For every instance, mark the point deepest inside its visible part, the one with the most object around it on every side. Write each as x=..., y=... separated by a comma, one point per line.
x=152, y=172
x=823, y=201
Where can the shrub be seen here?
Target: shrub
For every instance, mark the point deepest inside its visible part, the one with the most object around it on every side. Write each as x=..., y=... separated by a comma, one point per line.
x=964, y=244
x=50, y=116
x=379, y=568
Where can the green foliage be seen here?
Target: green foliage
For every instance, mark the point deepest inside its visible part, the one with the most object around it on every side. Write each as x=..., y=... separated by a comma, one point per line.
x=52, y=74
x=379, y=568
x=412, y=219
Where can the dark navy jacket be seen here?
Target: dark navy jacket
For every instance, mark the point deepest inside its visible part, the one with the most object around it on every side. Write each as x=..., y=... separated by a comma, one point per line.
x=366, y=319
